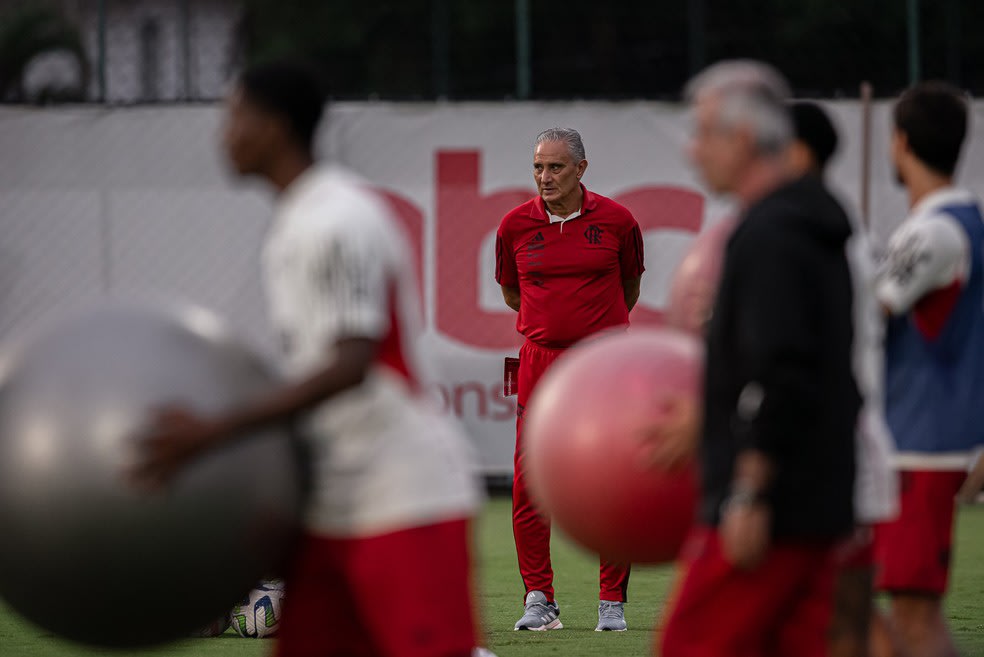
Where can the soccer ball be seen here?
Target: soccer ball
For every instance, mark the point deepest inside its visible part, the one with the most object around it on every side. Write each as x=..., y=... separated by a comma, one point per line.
x=257, y=616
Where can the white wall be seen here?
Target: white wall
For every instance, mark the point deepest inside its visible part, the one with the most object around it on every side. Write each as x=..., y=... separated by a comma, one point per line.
x=135, y=202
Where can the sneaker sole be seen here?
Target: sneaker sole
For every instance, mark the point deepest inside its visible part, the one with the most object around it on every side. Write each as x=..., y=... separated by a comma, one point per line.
x=552, y=625
x=608, y=629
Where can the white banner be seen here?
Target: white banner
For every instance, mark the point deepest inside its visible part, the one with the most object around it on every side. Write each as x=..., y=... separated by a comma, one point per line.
x=135, y=202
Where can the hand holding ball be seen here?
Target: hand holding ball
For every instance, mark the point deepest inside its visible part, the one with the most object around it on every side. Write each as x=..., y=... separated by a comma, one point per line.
x=87, y=555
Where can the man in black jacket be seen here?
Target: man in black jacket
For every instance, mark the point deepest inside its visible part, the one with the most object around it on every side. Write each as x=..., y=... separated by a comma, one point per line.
x=780, y=401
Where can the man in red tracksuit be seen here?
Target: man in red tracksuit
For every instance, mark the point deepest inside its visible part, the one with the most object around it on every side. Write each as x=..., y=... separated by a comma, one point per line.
x=569, y=262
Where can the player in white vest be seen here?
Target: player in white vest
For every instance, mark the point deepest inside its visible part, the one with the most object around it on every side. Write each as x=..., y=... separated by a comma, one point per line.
x=384, y=568
x=930, y=287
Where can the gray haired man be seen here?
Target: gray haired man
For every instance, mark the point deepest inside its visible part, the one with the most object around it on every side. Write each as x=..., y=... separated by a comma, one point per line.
x=777, y=428
x=569, y=262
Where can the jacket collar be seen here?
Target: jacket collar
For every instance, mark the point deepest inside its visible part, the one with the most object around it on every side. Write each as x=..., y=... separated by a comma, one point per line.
x=589, y=201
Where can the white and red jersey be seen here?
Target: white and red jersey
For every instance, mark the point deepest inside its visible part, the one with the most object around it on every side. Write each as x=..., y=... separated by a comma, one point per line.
x=932, y=283
x=337, y=265
x=927, y=262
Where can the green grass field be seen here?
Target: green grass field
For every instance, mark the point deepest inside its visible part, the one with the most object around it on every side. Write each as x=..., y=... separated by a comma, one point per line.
x=576, y=584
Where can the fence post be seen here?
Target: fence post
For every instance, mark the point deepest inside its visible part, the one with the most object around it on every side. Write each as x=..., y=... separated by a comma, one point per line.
x=912, y=20
x=696, y=43
x=101, y=50
x=524, y=73
x=185, y=9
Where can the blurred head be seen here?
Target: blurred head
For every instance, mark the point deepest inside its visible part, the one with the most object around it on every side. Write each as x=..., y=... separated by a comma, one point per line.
x=558, y=164
x=814, y=139
x=740, y=116
x=930, y=123
x=272, y=108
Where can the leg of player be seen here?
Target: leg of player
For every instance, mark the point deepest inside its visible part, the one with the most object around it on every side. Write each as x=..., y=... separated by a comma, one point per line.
x=883, y=639
x=922, y=627
x=852, y=613
x=532, y=535
x=913, y=552
x=614, y=587
x=859, y=628
x=531, y=530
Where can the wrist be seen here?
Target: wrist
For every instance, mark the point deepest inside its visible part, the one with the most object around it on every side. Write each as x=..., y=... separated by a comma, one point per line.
x=220, y=429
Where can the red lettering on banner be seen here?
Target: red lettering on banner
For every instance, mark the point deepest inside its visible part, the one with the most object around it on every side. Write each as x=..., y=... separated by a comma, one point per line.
x=412, y=220
x=464, y=218
x=506, y=405
x=477, y=390
x=661, y=208
x=476, y=399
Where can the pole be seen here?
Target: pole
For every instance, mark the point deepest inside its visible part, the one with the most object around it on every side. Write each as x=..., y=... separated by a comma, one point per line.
x=865, y=154
x=186, y=48
x=953, y=41
x=524, y=73
x=912, y=21
x=440, y=67
x=101, y=50
x=696, y=43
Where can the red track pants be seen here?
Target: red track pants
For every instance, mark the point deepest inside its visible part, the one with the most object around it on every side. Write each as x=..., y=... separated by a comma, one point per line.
x=530, y=529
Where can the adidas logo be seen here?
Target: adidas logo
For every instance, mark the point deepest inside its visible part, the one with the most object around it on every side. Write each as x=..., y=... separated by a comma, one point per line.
x=538, y=237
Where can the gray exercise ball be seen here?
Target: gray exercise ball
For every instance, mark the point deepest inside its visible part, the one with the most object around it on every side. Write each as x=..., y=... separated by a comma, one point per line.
x=84, y=553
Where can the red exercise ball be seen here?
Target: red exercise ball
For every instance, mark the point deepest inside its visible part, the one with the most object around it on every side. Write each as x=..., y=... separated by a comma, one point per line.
x=585, y=453
x=695, y=281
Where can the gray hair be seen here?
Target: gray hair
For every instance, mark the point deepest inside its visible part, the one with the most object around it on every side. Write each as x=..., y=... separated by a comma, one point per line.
x=570, y=137
x=753, y=94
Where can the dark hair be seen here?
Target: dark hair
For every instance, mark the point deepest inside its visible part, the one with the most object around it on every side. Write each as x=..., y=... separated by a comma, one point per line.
x=289, y=89
x=813, y=127
x=933, y=117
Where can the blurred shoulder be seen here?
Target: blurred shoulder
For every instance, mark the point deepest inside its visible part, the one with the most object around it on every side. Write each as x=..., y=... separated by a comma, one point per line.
x=329, y=198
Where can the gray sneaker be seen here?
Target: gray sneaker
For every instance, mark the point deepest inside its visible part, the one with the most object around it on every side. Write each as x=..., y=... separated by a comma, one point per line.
x=540, y=615
x=611, y=617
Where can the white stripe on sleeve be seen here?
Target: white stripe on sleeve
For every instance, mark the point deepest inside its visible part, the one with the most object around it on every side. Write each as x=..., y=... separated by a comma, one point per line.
x=924, y=255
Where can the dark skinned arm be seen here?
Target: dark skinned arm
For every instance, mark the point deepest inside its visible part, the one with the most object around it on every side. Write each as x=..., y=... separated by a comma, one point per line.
x=179, y=435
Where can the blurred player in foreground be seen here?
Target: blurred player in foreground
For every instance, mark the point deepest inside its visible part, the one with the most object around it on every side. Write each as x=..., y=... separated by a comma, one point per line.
x=931, y=286
x=570, y=263
x=876, y=486
x=384, y=567
x=781, y=404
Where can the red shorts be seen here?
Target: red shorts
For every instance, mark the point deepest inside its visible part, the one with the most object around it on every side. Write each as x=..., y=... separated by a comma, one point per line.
x=782, y=607
x=912, y=552
x=403, y=594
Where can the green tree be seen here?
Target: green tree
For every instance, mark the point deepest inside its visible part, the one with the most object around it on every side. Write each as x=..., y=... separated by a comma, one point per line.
x=30, y=30
x=625, y=49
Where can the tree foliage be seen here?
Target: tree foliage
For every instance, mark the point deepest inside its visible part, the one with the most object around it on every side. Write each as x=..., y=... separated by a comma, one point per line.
x=27, y=31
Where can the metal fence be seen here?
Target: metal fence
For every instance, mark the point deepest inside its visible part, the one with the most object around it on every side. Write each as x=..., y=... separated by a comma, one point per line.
x=140, y=51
